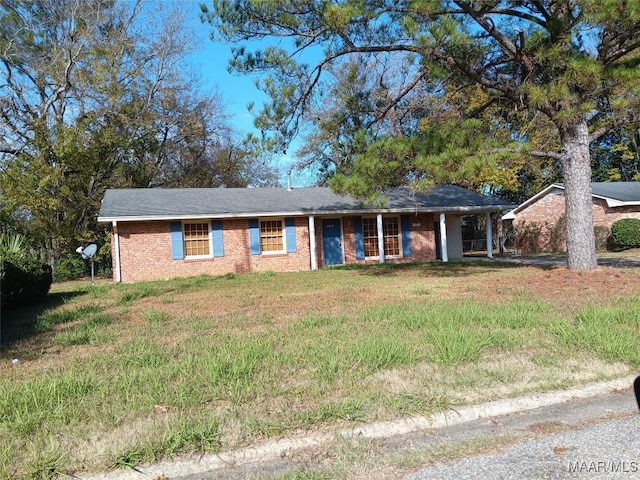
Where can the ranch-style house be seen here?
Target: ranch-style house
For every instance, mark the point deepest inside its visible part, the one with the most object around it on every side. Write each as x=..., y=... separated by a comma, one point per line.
x=166, y=233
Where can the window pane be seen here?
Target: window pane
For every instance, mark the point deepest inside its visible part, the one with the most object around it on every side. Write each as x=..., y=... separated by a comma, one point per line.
x=196, y=239
x=271, y=237
x=391, y=231
x=370, y=237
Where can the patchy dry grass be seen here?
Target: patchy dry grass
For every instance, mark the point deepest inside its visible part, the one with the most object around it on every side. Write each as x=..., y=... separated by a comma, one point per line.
x=117, y=375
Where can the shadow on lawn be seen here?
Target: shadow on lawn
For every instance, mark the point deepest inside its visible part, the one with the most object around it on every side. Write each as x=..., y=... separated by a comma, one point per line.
x=463, y=268
x=21, y=322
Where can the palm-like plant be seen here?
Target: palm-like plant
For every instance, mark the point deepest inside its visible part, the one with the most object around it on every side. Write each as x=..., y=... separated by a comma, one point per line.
x=13, y=245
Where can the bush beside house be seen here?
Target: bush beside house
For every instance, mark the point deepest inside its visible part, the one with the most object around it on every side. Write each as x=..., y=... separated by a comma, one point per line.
x=24, y=278
x=625, y=233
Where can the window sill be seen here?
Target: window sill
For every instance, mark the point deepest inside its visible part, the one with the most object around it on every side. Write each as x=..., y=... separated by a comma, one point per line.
x=197, y=259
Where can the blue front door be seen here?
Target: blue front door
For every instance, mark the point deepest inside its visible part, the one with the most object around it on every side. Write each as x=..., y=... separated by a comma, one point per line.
x=332, y=241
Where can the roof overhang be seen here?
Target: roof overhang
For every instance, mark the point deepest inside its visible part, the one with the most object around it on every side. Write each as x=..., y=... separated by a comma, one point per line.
x=611, y=202
x=320, y=213
x=512, y=214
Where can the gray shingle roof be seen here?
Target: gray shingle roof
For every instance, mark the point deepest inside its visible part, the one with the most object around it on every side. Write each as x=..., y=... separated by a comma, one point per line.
x=621, y=191
x=159, y=203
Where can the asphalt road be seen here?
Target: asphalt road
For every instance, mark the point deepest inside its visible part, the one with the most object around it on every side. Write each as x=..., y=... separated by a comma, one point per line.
x=608, y=449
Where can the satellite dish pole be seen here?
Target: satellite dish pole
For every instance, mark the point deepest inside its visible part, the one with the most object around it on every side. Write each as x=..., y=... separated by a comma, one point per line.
x=87, y=254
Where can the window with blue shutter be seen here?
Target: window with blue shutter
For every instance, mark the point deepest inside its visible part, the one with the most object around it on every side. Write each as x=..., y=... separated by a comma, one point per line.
x=216, y=234
x=177, y=248
x=254, y=237
x=359, y=238
x=406, y=235
x=290, y=227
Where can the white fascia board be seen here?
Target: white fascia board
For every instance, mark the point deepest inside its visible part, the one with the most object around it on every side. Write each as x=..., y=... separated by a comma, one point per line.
x=509, y=216
x=612, y=202
x=147, y=218
x=529, y=201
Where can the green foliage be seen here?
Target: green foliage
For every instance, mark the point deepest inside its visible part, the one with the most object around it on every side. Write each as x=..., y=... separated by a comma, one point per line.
x=616, y=156
x=625, y=233
x=115, y=108
x=24, y=278
x=601, y=234
x=557, y=235
x=605, y=330
x=526, y=237
x=69, y=268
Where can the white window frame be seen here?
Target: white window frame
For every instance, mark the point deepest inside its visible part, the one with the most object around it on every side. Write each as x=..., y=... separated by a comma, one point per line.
x=283, y=232
x=184, y=239
x=386, y=255
x=364, y=244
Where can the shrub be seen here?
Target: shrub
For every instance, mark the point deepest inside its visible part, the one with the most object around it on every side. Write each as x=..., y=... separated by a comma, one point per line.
x=24, y=279
x=625, y=233
x=601, y=233
x=526, y=237
x=69, y=268
x=557, y=235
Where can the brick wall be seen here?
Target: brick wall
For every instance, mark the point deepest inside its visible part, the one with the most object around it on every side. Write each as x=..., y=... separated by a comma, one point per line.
x=422, y=241
x=546, y=212
x=146, y=254
x=607, y=216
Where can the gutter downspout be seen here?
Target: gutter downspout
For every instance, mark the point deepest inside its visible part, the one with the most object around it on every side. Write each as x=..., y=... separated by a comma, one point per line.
x=489, y=235
x=116, y=251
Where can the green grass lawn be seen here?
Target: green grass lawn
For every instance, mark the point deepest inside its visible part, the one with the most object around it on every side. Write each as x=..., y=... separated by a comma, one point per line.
x=118, y=375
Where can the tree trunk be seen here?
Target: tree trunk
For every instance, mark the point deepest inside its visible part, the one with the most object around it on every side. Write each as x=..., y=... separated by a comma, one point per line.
x=581, y=245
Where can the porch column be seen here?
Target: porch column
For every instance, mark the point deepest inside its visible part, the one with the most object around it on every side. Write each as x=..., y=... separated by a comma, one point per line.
x=489, y=235
x=312, y=243
x=380, y=238
x=116, y=251
x=500, y=235
x=443, y=238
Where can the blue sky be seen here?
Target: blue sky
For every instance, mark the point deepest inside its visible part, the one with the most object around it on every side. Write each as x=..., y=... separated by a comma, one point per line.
x=237, y=91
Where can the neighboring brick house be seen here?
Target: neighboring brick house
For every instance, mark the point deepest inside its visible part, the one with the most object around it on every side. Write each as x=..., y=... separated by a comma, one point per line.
x=541, y=218
x=165, y=233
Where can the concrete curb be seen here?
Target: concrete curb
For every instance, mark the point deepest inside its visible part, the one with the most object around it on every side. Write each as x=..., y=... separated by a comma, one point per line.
x=276, y=449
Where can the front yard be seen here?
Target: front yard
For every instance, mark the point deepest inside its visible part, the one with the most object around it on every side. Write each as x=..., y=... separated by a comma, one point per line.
x=117, y=375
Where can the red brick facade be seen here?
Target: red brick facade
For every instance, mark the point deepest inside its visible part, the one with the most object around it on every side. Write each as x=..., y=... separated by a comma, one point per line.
x=541, y=218
x=145, y=249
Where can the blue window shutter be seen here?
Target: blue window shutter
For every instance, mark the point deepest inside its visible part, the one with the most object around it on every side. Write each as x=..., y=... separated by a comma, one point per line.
x=359, y=238
x=216, y=233
x=177, y=246
x=254, y=237
x=406, y=235
x=290, y=227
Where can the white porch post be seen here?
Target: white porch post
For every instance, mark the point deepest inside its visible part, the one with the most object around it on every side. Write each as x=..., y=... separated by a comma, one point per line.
x=116, y=250
x=312, y=243
x=443, y=238
x=380, y=238
x=489, y=235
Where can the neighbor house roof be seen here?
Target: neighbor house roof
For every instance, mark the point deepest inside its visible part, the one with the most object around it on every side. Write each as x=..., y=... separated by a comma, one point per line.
x=616, y=194
x=181, y=203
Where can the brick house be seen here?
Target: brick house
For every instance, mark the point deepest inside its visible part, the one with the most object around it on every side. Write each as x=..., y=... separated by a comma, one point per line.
x=542, y=216
x=164, y=233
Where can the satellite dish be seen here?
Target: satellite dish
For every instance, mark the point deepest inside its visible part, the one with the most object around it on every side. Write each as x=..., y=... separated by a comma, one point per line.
x=89, y=252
